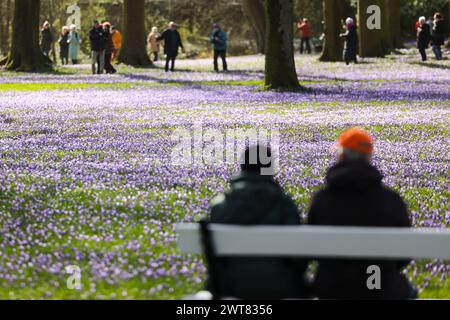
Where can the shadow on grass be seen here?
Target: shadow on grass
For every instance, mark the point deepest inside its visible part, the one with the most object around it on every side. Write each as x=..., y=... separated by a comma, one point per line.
x=431, y=65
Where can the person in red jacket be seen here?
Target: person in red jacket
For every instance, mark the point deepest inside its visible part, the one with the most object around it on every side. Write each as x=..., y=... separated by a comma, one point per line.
x=304, y=32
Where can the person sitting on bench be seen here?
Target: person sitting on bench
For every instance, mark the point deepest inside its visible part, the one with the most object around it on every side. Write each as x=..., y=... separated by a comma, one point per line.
x=354, y=195
x=255, y=198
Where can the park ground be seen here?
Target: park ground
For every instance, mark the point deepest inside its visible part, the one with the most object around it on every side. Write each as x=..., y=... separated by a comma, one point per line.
x=86, y=177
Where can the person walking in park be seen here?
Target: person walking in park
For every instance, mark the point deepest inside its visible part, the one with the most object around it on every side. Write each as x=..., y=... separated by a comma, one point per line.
x=64, y=45
x=117, y=41
x=423, y=38
x=354, y=195
x=172, y=43
x=98, y=45
x=304, y=33
x=46, y=38
x=438, y=35
x=153, y=44
x=109, y=48
x=219, y=40
x=255, y=198
x=74, y=42
x=351, y=42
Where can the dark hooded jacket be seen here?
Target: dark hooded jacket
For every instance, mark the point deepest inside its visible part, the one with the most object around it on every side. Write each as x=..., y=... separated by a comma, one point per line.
x=98, y=38
x=355, y=196
x=424, y=36
x=258, y=200
x=172, y=42
x=439, y=32
x=46, y=40
x=351, y=39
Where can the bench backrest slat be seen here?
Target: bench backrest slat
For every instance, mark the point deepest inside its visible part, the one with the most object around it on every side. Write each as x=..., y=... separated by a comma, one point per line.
x=320, y=242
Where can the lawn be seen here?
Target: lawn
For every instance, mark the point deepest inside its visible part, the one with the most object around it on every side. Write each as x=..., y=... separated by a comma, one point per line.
x=86, y=176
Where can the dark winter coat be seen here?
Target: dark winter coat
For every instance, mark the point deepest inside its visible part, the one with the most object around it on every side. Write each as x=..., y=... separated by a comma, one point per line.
x=439, y=33
x=109, y=43
x=258, y=200
x=423, y=36
x=172, y=42
x=351, y=39
x=355, y=196
x=46, y=40
x=98, y=38
x=64, y=45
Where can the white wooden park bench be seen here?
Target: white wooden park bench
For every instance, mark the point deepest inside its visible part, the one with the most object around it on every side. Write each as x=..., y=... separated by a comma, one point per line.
x=315, y=242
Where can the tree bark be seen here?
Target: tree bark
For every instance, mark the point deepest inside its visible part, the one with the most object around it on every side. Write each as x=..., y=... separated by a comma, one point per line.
x=280, y=65
x=25, y=54
x=372, y=43
x=254, y=9
x=333, y=47
x=134, y=50
x=6, y=18
x=395, y=27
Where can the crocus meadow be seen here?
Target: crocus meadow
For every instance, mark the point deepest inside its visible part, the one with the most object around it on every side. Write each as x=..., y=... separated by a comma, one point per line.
x=86, y=177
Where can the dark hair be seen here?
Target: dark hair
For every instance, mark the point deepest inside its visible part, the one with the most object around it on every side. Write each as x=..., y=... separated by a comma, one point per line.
x=438, y=15
x=256, y=157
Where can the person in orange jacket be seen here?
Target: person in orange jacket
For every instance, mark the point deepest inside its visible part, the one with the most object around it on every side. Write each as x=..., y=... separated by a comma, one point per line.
x=117, y=41
x=304, y=32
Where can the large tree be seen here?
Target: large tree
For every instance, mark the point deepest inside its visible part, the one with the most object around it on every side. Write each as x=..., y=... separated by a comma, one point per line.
x=333, y=46
x=25, y=53
x=134, y=50
x=372, y=41
x=280, y=64
x=395, y=28
x=254, y=9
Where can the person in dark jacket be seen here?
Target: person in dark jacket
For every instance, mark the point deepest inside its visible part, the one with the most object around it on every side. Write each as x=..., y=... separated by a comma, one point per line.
x=354, y=195
x=255, y=198
x=219, y=40
x=98, y=45
x=423, y=37
x=64, y=45
x=109, y=48
x=438, y=37
x=172, y=42
x=46, y=38
x=351, y=42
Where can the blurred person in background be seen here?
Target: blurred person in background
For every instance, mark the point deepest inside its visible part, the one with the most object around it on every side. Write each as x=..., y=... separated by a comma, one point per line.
x=354, y=195
x=46, y=38
x=423, y=37
x=172, y=43
x=117, y=41
x=98, y=39
x=109, y=48
x=219, y=40
x=64, y=45
x=304, y=33
x=351, y=42
x=438, y=35
x=74, y=42
x=153, y=44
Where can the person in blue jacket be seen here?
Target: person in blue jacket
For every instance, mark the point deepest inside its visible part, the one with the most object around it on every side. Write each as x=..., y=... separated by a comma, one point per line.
x=219, y=40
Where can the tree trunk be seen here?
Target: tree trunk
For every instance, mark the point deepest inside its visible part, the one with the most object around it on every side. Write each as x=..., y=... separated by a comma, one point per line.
x=25, y=54
x=6, y=18
x=280, y=64
x=134, y=50
x=372, y=43
x=254, y=9
x=333, y=47
x=395, y=27
x=2, y=29
x=448, y=43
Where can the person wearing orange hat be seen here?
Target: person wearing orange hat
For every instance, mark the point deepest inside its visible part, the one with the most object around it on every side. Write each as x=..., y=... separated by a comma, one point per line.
x=354, y=195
